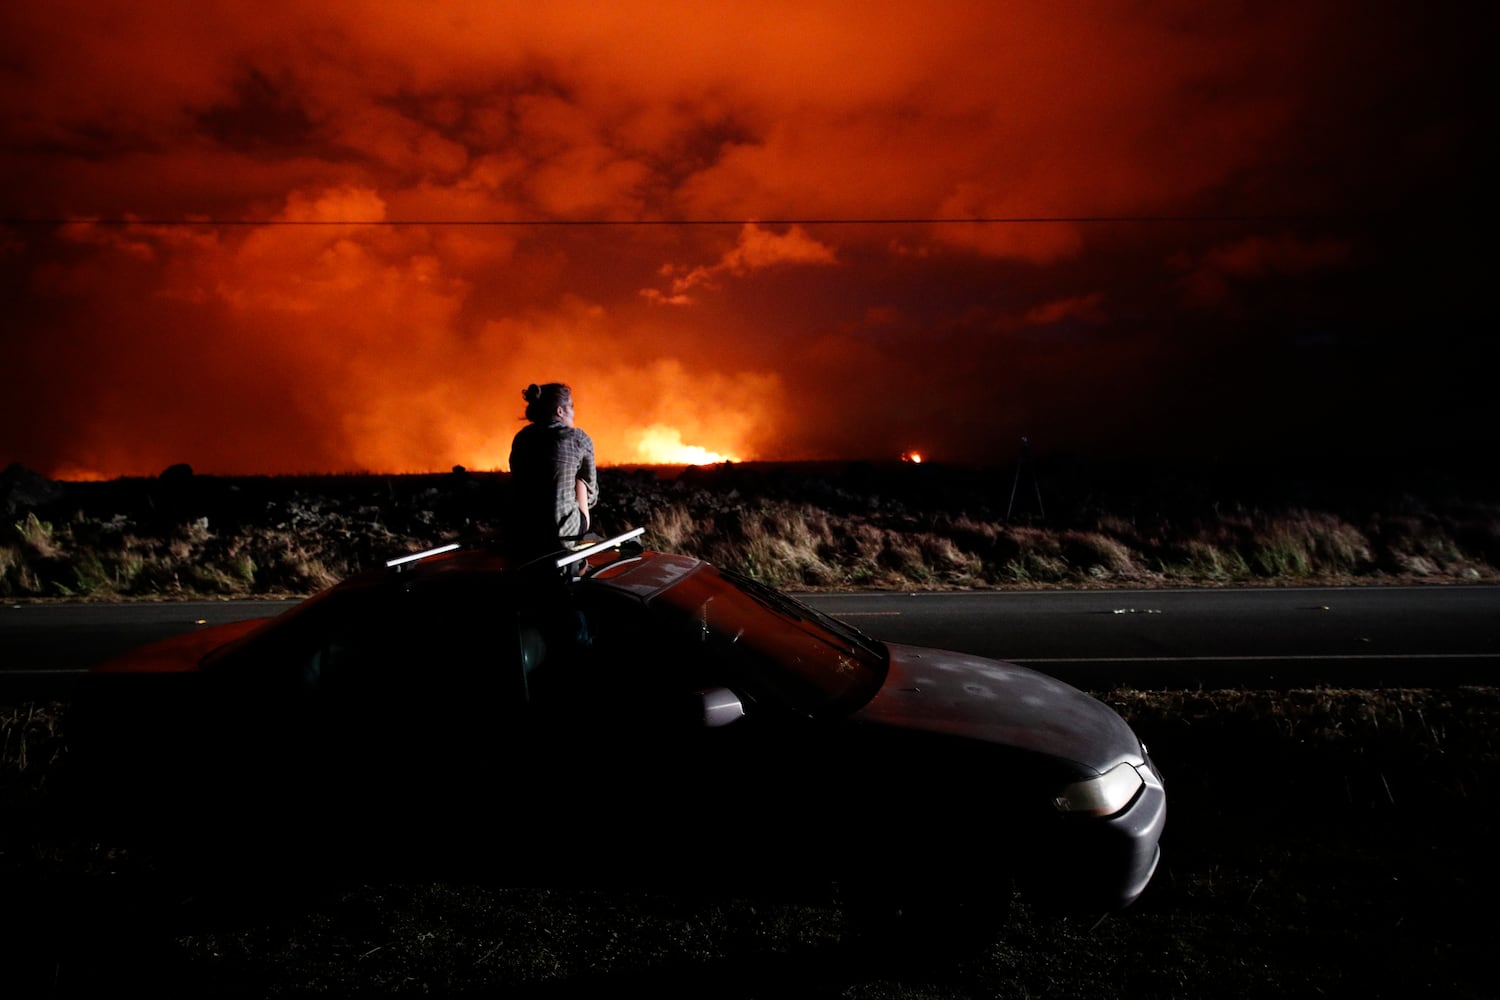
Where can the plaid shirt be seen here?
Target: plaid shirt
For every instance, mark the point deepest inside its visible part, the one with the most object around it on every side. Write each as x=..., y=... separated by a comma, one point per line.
x=545, y=462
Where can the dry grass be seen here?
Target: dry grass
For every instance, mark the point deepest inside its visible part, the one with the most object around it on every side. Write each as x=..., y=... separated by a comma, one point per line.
x=198, y=537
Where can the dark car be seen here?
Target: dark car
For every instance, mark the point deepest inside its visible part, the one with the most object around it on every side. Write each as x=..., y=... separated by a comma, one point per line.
x=617, y=714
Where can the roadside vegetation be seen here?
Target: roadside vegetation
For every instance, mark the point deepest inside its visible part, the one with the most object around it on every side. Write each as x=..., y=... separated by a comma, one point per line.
x=904, y=527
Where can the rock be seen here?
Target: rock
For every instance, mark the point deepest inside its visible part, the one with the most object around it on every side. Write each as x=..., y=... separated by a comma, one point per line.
x=22, y=489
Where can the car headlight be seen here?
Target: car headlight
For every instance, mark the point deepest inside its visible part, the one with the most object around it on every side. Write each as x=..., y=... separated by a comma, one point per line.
x=1101, y=796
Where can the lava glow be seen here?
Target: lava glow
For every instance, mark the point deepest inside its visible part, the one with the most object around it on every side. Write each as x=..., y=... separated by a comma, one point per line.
x=662, y=445
x=316, y=238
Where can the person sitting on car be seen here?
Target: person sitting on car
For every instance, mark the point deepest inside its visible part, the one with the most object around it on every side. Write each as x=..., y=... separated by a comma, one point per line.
x=554, y=482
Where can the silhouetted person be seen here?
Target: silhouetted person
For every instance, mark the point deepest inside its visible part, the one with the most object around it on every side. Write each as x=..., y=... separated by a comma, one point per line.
x=554, y=482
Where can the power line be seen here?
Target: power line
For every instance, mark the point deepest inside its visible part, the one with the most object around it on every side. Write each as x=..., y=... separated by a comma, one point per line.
x=623, y=223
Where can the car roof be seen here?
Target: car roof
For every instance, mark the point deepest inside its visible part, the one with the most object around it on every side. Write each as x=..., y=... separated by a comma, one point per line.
x=644, y=575
x=620, y=563
x=488, y=566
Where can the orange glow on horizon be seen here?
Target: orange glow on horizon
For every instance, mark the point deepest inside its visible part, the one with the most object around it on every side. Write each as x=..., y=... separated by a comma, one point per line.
x=70, y=473
x=662, y=445
x=913, y=457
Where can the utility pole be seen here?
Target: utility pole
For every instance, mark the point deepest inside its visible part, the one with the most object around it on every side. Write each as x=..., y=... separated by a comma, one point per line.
x=1024, y=468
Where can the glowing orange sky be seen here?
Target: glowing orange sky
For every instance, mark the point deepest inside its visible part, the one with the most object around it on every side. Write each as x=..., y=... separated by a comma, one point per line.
x=322, y=321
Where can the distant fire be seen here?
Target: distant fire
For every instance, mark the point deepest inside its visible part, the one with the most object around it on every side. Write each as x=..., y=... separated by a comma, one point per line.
x=70, y=473
x=662, y=445
x=912, y=456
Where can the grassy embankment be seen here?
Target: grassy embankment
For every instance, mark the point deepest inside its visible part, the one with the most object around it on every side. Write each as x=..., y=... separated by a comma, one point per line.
x=904, y=528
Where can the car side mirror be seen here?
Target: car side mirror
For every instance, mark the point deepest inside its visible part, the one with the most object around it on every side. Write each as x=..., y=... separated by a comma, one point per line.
x=717, y=707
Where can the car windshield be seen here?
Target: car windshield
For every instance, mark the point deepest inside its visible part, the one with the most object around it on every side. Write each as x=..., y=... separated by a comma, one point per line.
x=813, y=663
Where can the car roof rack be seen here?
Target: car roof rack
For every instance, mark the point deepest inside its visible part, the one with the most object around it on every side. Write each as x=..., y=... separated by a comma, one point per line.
x=419, y=556
x=566, y=559
x=609, y=543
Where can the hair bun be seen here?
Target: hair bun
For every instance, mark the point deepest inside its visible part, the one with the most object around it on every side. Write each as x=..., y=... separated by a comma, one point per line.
x=531, y=393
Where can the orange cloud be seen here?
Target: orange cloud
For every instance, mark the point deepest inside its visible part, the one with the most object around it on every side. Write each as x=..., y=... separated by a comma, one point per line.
x=1209, y=280
x=1087, y=308
x=756, y=250
x=343, y=236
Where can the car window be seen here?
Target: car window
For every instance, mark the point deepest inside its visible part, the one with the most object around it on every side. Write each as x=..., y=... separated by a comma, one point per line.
x=770, y=643
x=391, y=649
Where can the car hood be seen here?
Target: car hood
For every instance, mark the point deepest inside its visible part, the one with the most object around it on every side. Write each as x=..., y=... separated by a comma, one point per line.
x=955, y=694
x=176, y=654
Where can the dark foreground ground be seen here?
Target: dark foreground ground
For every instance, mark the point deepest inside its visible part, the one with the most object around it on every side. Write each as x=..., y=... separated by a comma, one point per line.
x=1320, y=843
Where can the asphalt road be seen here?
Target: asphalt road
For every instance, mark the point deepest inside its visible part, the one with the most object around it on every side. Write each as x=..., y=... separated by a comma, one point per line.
x=1254, y=637
x=1274, y=637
